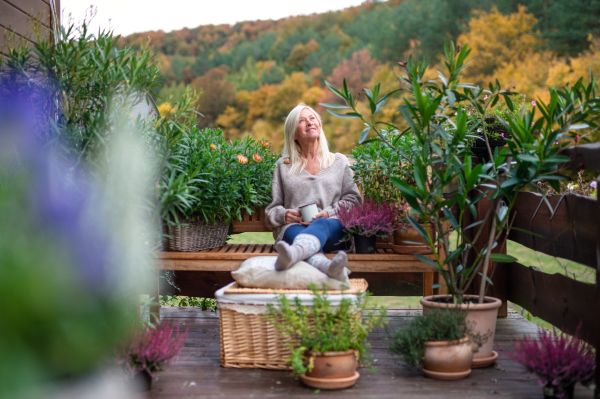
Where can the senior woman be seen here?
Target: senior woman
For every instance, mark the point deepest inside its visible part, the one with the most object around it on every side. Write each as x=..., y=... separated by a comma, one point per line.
x=308, y=173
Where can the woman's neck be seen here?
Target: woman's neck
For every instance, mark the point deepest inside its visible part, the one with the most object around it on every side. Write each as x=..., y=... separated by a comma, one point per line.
x=309, y=150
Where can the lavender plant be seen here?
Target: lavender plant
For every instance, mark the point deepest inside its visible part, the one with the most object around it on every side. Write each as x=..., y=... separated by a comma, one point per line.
x=369, y=218
x=559, y=360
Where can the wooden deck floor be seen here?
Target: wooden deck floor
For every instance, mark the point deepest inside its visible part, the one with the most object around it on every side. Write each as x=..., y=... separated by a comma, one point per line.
x=199, y=375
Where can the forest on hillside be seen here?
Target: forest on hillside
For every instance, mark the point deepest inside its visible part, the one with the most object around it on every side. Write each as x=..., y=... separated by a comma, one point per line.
x=251, y=74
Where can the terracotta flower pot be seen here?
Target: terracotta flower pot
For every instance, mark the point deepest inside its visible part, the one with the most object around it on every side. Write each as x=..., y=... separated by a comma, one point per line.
x=332, y=370
x=483, y=316
x=333, y=364
x=448, y=359
x=406, y=233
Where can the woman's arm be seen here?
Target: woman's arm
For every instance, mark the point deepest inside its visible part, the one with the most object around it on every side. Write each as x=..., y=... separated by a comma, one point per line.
x=275, y=211
x=350, y=193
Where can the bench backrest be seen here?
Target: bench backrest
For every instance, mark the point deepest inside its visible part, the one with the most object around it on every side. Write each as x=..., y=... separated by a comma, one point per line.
x=251, y=223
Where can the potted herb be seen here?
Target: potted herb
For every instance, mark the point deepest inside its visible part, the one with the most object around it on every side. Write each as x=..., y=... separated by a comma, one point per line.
x=559, y=360
x=367, y=221
x=439, y=341
x=147, y=350
x=326, y=342
x=448, y=183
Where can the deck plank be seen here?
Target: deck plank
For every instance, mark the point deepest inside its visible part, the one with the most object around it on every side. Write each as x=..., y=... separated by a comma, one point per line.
x=198, y=373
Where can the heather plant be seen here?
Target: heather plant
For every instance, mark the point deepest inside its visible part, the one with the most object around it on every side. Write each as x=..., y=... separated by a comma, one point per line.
x=369, y=218
x=559, y=360
x=322, y=327
x=150, y=347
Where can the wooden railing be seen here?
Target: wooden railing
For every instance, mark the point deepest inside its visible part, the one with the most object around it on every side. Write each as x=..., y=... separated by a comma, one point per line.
x=570, y=231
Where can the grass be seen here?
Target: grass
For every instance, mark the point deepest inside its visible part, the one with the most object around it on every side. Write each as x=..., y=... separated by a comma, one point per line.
x=546, y=263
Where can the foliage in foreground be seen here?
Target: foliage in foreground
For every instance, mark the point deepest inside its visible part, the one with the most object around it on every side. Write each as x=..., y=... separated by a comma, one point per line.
x=321, y=327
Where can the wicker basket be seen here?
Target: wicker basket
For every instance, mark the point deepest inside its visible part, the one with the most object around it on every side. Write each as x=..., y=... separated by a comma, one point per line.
x=249, y=341
x=196, y=236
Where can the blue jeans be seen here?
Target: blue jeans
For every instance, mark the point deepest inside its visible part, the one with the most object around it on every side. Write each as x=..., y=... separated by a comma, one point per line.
x=328, y=231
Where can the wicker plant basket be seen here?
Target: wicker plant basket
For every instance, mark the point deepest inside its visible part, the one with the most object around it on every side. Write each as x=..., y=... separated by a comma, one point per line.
x=249, y=341
x=196, y=236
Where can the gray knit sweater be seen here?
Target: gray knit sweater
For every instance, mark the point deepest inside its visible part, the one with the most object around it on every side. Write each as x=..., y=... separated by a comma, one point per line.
x=328, y=188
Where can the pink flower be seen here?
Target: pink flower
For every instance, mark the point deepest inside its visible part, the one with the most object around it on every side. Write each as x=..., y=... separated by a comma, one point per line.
x=532, y=123
x=507, y=123
x=485, y=98
x=594, y=184
x=576, y=138
x=502, y=135
x=552, y=130
x=524, y=96
x=557, y=142
x=533, y=103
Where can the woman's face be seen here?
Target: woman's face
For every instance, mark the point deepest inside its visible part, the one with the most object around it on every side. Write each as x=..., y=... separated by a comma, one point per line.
x=308, y=128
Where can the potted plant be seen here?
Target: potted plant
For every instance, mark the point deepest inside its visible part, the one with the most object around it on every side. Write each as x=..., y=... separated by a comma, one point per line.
x=232, y=175
x=407, y=239
x=367, y=221
x=326, y=342
x=439, y=341
x=559, y=360
x=374, y=163
x=147, y=350
x=446, y=178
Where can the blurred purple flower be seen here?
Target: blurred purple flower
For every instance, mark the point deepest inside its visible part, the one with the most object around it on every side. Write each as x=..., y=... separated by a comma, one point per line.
x=533, y=103
x=594, y=184
x=59, y=202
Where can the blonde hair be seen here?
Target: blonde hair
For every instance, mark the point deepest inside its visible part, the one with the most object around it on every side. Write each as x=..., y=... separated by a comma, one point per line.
x=292, y=148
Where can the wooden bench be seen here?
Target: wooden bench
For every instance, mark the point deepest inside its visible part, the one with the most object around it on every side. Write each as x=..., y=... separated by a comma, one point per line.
x=202, y=273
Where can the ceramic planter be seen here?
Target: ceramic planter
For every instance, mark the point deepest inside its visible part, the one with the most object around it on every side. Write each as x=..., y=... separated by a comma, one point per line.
x=448, y=360
x=483, y=316
x=141, y=381
x=332, y=370
x=365, y=245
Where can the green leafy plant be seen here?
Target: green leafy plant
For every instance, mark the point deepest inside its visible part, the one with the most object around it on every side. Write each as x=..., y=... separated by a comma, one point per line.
x=322, y=327
x=436, y=325
x=234, y=175
x=443, y=171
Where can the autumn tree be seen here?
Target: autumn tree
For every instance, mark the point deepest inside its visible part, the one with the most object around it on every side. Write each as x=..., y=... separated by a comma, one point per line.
x=357, y=71
x=218, y=93
x=285, y=97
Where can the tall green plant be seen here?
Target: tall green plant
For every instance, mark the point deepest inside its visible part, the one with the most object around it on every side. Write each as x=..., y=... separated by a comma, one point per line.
x=444, y=173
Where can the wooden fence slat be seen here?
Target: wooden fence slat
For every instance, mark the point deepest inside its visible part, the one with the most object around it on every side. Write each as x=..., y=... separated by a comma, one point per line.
x=586, y=156
x=17, y=20
x=34, y=8
x=555, y=298
x=597, y=344
x=571, y=233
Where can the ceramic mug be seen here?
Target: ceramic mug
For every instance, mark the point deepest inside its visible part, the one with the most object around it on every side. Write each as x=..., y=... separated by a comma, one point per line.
x=308, y=211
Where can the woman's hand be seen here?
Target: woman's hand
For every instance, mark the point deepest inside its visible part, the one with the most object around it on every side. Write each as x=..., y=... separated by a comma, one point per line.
x=293, y=216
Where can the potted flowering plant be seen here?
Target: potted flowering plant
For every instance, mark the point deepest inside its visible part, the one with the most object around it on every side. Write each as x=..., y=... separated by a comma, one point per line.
x=559, y=360
x=367, y=221
x=147, y=350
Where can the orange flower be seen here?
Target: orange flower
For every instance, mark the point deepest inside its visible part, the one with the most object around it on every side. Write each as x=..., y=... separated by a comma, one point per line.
x=213, y=147
x=242, y=159
x=286, y=161
x=257, y=157
x=266, y=144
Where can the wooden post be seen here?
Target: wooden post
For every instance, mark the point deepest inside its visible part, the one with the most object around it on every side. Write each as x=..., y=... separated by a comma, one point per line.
x=597, y=307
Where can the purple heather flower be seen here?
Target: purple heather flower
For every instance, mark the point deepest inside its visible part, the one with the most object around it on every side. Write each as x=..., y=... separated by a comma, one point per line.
x=369, y=218
x=557, y=142
x=532, y=123
x=594, y=184
x=524, y=96
x=507, y=123
x=502, y=135
x=485, y=97
x=533, y=103
x=552, y=130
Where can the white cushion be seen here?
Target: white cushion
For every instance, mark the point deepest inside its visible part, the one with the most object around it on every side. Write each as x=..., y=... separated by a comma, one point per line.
x=259, y=272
